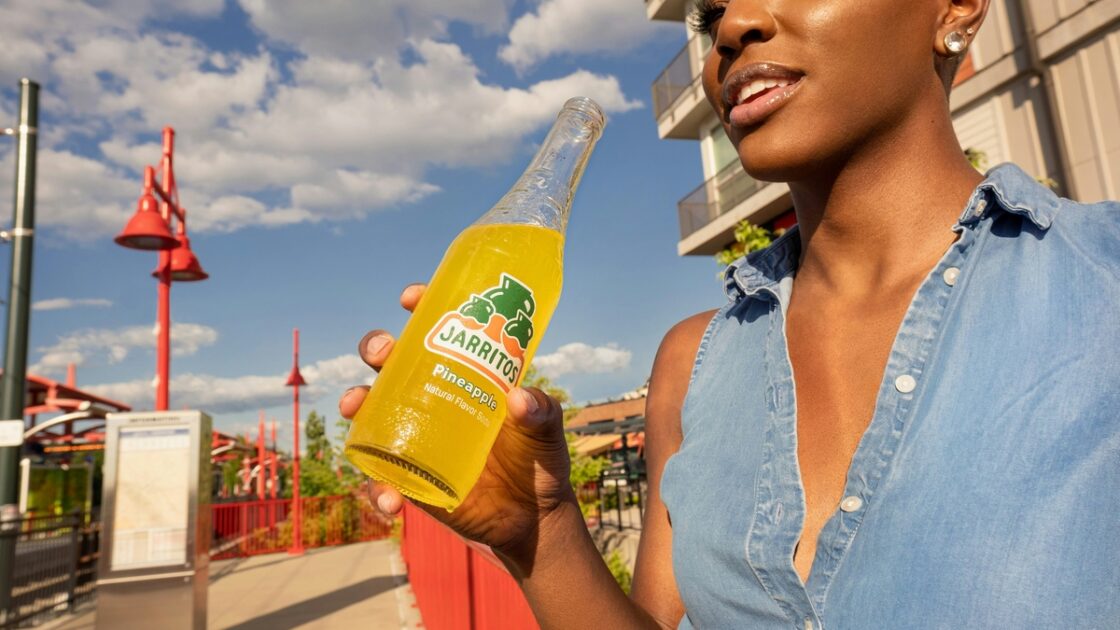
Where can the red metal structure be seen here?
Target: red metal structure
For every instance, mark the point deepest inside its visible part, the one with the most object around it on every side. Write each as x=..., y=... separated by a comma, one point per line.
x=272, y=466
x=458, y=585
x=261, y=461
x=150, y=230
x=257, y=527
x=295, y=380
x=59, y=434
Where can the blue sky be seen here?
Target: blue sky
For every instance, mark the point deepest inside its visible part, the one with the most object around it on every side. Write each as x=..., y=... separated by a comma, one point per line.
x=327, y=153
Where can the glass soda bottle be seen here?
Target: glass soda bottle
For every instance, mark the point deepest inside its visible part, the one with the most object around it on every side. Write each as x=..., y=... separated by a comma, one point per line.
x=428, y=422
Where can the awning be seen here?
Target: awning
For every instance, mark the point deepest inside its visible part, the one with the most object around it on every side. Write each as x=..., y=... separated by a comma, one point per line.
x=594, y=444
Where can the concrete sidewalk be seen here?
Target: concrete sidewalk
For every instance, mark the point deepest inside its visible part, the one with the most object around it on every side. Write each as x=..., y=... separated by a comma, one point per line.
x=360, y=585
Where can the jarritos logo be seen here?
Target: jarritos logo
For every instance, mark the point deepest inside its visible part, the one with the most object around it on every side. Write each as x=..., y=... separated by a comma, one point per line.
x=489, y=332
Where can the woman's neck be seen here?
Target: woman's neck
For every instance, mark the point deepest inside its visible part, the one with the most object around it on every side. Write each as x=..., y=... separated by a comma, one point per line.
x=883, y=217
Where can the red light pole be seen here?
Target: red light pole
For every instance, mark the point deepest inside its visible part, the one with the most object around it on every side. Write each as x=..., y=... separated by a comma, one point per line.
x=272, y=464
x=150, y=229
x=295, y=379
x=261, y=468
x=272, y=479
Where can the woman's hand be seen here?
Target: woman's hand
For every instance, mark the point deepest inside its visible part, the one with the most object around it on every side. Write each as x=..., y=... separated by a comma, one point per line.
x=525, y=478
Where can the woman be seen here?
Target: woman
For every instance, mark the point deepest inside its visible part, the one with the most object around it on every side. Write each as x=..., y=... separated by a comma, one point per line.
x=948, y=455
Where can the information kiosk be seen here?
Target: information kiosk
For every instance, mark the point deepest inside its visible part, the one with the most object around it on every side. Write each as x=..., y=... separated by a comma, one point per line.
x=155, y=539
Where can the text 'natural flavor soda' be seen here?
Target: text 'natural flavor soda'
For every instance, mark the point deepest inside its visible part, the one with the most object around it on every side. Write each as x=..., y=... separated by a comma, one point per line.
x=434, y=411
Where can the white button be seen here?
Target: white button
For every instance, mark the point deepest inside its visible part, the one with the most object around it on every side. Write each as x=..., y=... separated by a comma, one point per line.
x=983, y=203
x=851, y=504
x=950, y=276
x=808, y=624
x=905, y=383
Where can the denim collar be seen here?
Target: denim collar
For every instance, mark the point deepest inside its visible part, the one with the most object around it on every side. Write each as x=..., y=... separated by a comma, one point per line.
x=1011, y=190
x=1016, y=192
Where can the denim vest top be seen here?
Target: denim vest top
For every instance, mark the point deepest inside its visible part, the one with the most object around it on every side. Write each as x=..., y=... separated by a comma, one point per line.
x=985, y=493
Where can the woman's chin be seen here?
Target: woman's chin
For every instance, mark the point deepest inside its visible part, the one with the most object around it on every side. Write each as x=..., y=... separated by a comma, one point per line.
x=778, y=159
x=771, y=169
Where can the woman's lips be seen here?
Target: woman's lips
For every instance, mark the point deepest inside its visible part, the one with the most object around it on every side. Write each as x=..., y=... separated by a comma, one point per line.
x=757, y=107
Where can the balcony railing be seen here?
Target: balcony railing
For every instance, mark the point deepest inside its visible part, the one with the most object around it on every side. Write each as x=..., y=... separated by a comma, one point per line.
x=722, y=192
x=673, y=81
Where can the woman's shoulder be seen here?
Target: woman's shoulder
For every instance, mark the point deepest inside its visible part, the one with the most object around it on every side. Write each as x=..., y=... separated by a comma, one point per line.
x=1086, y=229
x=673, y=365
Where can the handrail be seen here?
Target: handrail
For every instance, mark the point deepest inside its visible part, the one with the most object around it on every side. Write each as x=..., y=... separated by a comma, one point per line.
x=716, y=196
x=674, y=81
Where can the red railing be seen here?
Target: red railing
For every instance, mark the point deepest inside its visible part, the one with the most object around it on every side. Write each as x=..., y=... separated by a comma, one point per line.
x=458, y=585
x=256, y=527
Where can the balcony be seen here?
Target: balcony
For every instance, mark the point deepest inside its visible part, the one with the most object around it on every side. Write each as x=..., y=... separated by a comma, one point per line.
x=674, y=10
x=679, y=104
x=708, y=214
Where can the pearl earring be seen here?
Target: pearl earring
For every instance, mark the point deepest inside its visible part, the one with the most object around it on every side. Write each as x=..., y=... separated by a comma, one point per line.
x=955, y=42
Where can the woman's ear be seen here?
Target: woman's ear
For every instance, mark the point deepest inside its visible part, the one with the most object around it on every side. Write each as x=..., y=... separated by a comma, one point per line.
x=960, y=21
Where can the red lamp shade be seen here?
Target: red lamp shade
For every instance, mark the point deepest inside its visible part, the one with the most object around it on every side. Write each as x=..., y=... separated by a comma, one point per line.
x=146, y=229
x=295, y=379
x=184, y=264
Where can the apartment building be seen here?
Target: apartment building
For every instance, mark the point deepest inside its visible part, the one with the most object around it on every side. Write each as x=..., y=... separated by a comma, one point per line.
x=1040, y=87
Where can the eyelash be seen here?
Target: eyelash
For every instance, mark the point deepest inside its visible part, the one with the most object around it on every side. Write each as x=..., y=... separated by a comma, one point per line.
x=704, y=15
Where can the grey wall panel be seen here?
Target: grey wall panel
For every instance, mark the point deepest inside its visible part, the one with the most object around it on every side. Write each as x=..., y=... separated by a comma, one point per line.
x=1088, y=87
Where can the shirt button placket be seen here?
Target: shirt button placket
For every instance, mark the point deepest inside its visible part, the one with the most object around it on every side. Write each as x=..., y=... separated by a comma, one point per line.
x=851, y=504
x=905, y=383
x=950, y=276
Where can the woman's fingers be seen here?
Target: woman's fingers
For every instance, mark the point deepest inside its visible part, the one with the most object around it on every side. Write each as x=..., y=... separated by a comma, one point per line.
x=375, y=347
x=350, y=400
x=535, y=413
x=411, y=295
x=385, y=498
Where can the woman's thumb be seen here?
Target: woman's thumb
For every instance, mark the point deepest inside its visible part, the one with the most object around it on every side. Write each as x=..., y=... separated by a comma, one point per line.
x=534, y=411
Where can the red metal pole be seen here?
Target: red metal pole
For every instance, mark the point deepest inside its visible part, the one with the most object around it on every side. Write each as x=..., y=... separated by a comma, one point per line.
x=272, y=480
x=272, y=463
x=297, y=511
x=163, y=305
x=260, y=457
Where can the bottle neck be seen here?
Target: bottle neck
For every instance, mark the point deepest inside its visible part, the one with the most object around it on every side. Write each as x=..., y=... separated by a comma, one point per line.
x=543, y=194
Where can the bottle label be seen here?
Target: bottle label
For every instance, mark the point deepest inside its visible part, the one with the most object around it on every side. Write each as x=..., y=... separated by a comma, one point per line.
x=490, y=332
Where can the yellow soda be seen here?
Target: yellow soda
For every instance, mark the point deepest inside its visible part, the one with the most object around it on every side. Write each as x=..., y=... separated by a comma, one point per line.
x=434, y=411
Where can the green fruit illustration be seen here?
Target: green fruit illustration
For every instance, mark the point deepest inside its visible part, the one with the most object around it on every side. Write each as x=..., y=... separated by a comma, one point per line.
x=477, y=308
x=511, y=297
x=520, y=328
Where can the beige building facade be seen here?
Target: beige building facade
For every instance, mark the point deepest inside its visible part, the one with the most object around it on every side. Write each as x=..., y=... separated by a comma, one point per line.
x=1041, y=88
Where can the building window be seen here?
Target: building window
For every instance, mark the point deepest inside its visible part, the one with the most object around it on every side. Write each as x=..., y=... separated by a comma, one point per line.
x=723, y=152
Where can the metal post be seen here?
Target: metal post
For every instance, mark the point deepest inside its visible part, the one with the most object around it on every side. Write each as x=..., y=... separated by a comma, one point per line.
x=75, y=558
x=260, y=457
x=295, y=379
x=12, y=386
x=272, y=481
x=163, y=305
x=297, y=507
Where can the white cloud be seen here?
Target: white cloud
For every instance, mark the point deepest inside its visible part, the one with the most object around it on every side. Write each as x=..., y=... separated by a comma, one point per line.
x=581, y=358
x=364, y=30
x=58, y=304
x=349, y=125
x=326, y=379
x=561, y=27
x=114, y=344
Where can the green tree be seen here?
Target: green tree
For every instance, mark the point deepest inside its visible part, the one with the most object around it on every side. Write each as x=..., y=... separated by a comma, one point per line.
x=748, y=238
x=318, y=444
x=323, y=471
x=229, y=475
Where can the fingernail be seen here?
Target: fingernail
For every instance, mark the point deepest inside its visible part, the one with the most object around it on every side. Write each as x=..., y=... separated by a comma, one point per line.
x=531, y=404
x=385, y=503
x=376, y=344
